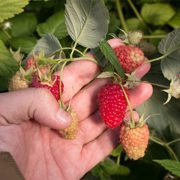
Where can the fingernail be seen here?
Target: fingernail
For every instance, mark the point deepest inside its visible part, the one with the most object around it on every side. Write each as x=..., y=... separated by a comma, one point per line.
x=63, y=118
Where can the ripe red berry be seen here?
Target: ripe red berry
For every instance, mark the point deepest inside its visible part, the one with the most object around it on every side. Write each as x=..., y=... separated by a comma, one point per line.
x=130, y=57
x=112, y=104
x=134, y=140
x=53, y=86
x=30, y=63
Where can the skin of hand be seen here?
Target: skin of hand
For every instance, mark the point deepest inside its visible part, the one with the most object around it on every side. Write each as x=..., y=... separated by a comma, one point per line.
x=39, y=151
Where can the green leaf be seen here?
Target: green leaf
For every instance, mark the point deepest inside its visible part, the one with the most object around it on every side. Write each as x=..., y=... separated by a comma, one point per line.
x=54, y=25
x=26, y=44
x=8, y=66
x=86, y=21
x=135, y=24
x=175, y=21
x=170, y=46
x=48, y=44
x=117, y=151
x=110, y=55
x=23, y=24
x=114, y=169
x=9, y=8
x=157, y=13
x=170, y=165
x=114, y=23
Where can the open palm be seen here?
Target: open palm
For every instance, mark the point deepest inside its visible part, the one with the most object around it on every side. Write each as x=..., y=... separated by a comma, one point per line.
x=41, y=153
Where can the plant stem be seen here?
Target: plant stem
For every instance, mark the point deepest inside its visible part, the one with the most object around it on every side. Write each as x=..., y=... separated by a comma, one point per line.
x=137, y=14
x=166, y=145
x=153, y=36
x=171, y=152
x=174, y=141
x=118, y=160
x=132, y=124
x=121, y=16
x=73, y=49
x=7, y=34
x=159, y=85
x=156, y=140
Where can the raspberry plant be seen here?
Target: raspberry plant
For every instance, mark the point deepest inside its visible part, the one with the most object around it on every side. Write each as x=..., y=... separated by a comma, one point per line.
x=59, y=32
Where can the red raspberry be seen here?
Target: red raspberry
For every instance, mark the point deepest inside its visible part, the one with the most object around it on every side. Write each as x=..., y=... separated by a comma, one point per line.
x=130, y=57
x=53, y=86
x=112, y=104
x=134, y=140
x=30, y=63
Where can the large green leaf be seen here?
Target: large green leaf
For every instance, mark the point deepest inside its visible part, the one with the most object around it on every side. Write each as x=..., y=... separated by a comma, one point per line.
x=86, y=21
x=170, y=165
x=54, y=25
x=134, y=24
x=175, y=21
x=9, y=8
x=48, y=44
x=26, y=44
x=23, y=24
x=157, y=13
x=8, y=66
x=170, y=46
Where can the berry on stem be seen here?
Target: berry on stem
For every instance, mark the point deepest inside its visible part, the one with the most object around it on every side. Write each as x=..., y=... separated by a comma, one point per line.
x=52, y=85
x=134, y=140
x=112, y=104
x=130, y=57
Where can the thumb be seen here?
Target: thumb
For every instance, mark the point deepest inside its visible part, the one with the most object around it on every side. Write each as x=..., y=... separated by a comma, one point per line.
x=31, y=103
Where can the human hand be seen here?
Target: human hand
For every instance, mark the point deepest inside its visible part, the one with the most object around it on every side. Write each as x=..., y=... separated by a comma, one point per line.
x=39, y=151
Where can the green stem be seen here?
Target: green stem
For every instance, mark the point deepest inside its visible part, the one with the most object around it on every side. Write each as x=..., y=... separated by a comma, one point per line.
x=165, y=55
x=132, y=124
x=159, y=85
x=121, y=16
x=118, y=160
x=73, y=49
x=174, y=141
x=156, y=140
x=7, y=34
x=137, y=14
x=166, y=145
x=66, y=48
x=153, y=36
x=171, y=152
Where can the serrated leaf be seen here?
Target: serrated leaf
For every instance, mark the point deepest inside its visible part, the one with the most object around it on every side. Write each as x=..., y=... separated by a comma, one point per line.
x=110, y=55
x=157, y=13
x=171, y=165
x=170, y=45
x=48, y=44
x=54, y=25
x=114, y=169
x=117, y=151
x=9, y=8
x=26, y=44
x=86, y=21
x=23, y=24
x=175, y=21
x=135, y=24
x=8, y=66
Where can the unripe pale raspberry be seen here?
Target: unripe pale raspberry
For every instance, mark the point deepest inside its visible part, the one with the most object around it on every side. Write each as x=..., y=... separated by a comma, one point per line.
x=134, y=140
x=17, y=82
x=71, y=131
